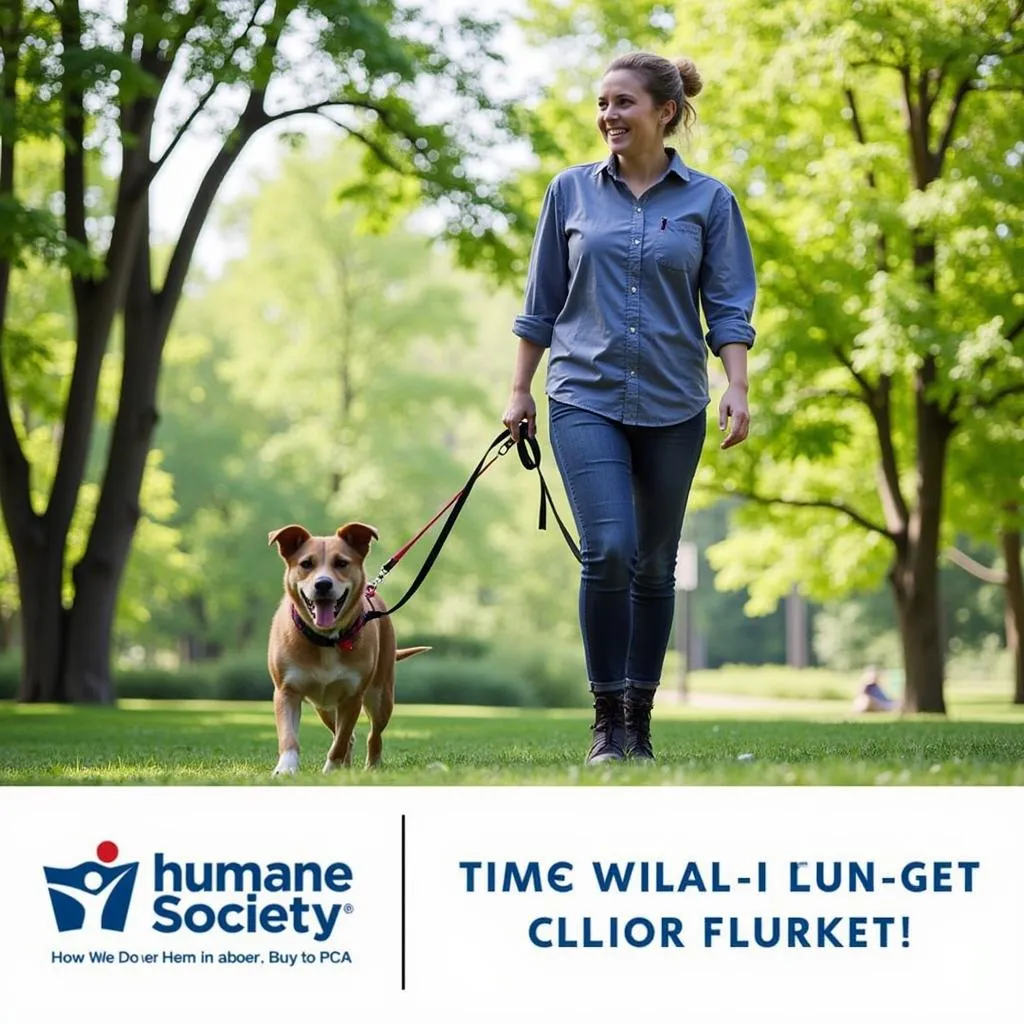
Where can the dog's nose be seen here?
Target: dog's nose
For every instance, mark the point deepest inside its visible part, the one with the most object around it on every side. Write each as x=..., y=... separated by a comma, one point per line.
x=324, y=585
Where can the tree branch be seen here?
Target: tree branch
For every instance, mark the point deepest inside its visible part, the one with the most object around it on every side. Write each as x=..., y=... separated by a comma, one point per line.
x=892, y=65
x=955, y=105
x=975, y=568
x=208, y=94
x=920, y=156
x=893, y=503
x=15, y=493
x=997, y=396
x=73, y=116
x=858, y=130
x=838, y=393
x=834, y=505
x=1017, y=89
x=1015, y=330
x=865, y=385
x=252, y=119
x=382, y=154
x=855, y=121
x=862, y=138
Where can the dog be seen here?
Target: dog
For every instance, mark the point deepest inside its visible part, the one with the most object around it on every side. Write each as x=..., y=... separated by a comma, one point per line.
x=323, y=650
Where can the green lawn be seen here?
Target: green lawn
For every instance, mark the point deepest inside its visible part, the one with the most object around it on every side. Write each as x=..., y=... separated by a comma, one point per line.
x=795, y=742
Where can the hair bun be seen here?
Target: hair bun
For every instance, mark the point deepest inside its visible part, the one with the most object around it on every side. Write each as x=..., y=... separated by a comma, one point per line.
x=692, y=82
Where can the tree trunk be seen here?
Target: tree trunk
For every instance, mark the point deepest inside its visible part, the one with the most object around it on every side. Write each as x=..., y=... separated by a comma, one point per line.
x=43, y=621
x=915, y=573
x=918, y=616
x=98, y=575
x=1014, y=608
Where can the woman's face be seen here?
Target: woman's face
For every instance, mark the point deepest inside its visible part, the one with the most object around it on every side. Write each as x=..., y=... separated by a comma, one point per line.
x=627, y=117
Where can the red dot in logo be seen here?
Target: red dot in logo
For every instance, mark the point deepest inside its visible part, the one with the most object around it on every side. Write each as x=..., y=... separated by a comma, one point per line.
x=107, y=851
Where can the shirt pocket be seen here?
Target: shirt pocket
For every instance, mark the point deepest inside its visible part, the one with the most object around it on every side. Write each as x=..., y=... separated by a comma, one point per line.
x=679, y=246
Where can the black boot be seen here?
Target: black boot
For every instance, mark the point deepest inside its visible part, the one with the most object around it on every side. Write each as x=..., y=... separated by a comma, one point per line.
x=637, y=707
x=609, y=729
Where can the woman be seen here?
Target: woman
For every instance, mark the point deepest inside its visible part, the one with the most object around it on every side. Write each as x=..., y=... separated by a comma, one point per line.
x=625, y=254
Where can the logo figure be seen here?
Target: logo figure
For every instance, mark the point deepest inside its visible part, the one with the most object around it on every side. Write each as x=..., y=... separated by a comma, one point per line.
x=92, y=889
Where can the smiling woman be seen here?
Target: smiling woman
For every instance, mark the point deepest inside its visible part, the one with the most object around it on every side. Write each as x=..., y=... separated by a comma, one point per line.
x=627, y=254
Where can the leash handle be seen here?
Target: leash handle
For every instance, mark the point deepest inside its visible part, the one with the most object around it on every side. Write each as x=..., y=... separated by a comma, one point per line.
x=528, y=451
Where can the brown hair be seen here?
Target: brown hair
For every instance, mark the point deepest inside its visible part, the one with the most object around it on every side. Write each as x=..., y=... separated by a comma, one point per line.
x=665, y=80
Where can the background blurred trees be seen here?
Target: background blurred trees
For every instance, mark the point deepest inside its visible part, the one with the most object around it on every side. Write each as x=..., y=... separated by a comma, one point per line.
x=339, y=366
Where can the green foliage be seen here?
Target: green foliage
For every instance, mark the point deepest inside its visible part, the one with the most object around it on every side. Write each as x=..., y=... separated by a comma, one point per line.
x=331, y=375
x=840, y=293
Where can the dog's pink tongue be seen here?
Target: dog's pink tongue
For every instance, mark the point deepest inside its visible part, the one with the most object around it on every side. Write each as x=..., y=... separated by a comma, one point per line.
x=324, y=613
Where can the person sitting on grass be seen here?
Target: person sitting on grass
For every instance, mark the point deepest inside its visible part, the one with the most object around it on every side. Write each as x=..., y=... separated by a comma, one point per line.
x=871, y=696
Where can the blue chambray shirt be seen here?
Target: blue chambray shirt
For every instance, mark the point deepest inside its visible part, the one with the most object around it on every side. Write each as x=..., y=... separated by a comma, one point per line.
x=614, y=286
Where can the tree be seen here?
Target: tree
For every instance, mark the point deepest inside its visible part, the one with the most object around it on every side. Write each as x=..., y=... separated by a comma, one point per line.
x=884, y=211
x=95, y=83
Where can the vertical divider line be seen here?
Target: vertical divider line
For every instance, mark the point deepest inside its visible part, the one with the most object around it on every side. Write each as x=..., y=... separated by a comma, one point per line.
x=403, y=903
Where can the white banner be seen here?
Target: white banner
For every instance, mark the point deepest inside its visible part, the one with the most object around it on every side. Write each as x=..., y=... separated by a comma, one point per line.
x=541, y=904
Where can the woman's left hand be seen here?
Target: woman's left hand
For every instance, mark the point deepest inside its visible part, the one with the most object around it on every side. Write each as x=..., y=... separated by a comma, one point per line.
x=734, y=412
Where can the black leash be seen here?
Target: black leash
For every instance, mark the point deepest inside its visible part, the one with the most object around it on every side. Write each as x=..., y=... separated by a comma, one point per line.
x=529, y=455
x=528, y=451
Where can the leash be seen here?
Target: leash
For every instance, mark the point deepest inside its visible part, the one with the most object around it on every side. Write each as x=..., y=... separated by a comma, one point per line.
x=529, y=456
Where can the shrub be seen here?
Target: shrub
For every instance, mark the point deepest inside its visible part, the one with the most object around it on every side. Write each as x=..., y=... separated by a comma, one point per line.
x=458, y=670
x=448, y=646
x=430, y=680
x=243, y=677
x=192, y=683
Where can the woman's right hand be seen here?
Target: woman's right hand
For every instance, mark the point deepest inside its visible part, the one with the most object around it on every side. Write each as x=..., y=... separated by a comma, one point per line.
x=521, y=406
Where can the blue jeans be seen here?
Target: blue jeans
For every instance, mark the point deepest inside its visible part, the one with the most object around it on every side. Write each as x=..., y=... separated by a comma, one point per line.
x=628, y=488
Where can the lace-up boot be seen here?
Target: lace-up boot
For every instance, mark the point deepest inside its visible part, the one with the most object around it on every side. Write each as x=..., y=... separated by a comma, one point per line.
x=637, y=713
x=609, y=728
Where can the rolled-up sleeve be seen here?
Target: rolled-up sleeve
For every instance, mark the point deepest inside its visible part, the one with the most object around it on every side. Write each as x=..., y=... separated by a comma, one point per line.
x=727, y=279
x=547, y=283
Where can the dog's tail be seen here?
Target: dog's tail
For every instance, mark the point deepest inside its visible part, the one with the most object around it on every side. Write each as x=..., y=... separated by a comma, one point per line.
x=408, y=652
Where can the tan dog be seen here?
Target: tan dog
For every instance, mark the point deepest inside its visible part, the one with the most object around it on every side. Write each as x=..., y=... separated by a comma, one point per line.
x=322, y=650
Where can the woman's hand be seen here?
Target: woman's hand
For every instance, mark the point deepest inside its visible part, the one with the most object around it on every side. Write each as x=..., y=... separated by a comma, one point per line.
x=734, y=412
x=521, y=406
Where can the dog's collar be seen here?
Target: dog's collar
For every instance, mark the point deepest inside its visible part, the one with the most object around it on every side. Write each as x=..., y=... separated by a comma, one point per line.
x=344, y=641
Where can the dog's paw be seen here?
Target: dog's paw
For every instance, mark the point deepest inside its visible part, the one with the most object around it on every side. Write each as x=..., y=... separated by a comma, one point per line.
x=288, y=763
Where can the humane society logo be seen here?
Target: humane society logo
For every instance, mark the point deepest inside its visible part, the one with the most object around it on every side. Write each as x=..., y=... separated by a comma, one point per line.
x=237, y=896
x=94, y=889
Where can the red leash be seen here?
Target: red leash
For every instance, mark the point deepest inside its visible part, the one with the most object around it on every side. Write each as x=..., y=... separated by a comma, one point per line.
x=371, y=587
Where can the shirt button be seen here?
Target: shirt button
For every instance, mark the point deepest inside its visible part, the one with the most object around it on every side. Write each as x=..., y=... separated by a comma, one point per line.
x=632, y=330
x=632, y=373
x=638, y=210
x=636, y=241
x=633, y=289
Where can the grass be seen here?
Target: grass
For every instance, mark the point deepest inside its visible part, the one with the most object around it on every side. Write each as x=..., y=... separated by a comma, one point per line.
x=797, y=742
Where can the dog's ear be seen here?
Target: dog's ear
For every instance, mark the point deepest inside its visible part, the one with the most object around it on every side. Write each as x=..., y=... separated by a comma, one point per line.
x=358, y=536
x=288, y=539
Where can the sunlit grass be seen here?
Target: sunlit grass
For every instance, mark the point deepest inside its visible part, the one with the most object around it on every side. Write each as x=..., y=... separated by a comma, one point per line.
x=804, y=743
